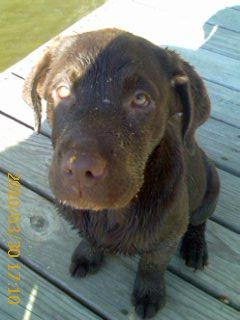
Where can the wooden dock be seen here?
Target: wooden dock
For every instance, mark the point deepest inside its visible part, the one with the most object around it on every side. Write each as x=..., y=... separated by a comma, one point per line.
x=208, y=36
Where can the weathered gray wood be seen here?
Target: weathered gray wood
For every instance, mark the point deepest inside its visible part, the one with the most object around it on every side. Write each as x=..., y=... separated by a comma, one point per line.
x=49, y=303
x=221, y=143
x=213, y=66
x=224, y=246
x=228, y=209
x=225, y=103
x=12, y=103
x=25, y=152
x=222, y=41
x=227, y=18
x=51, y=244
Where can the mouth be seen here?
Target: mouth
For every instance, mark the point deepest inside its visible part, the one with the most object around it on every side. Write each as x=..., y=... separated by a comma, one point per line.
x=108, y=200
x=85, y=205
x=80, y=206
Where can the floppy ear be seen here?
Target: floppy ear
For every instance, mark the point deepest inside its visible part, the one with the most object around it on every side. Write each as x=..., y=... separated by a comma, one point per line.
x=179, y=73
x=192, y=98
x=182, y=86
x=33, y=90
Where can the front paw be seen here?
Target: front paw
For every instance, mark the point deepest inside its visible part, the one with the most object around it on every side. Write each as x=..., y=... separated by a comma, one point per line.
x=85, y=260
x=148, y=298
x=195, y=253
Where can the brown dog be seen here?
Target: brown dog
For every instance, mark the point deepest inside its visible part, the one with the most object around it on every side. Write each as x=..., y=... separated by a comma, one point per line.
x=126, y=169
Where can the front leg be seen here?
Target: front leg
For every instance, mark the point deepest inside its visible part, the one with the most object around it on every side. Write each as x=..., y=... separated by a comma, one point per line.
x=149, y=294
x=85, y=259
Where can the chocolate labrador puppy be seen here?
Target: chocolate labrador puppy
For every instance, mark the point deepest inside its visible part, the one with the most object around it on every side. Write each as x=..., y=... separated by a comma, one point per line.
x=126, y=170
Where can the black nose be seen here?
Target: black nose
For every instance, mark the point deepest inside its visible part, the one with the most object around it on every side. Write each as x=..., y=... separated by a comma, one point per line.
x=83, y=168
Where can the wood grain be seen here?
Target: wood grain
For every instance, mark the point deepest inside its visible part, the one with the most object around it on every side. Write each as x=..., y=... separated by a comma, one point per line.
x=50, y=302
x=227, y=18
x=227, y=210
x=213, y=66
x=222, y=41
x=49, y=247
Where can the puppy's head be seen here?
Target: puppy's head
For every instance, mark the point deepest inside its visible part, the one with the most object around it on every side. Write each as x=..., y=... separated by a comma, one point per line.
x=110, y=96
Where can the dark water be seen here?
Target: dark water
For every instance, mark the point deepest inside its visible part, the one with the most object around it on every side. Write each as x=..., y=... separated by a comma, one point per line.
x=26, y=24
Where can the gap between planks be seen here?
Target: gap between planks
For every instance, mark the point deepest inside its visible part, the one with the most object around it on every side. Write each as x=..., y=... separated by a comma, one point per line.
x=73, y=308
x=57, y=282
x=65, y=289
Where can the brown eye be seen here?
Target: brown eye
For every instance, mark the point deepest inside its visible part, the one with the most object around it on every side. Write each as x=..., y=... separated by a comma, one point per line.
x=63, y=91
x=141, y=100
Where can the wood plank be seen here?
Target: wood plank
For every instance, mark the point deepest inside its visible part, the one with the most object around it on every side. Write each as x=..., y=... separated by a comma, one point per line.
x=213, y=66
x=25, y=152
x=12, y=104
x=222, y=41
x=56, y=241
x=221, y=244
x=227, y=211
x=225, y=103
x=227, y=18
x=221, y=143
x=48, y=302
